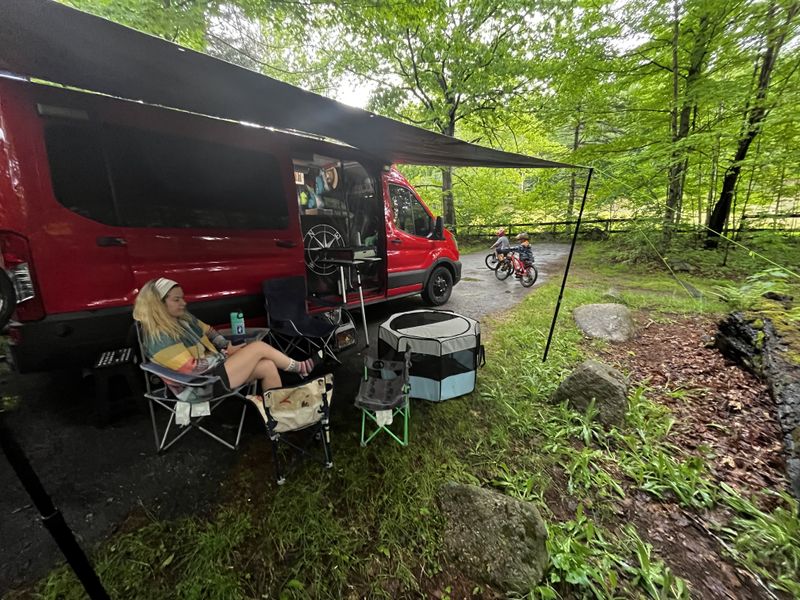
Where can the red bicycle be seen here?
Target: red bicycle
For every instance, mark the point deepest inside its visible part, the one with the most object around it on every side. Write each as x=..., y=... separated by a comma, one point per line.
x=526, y=274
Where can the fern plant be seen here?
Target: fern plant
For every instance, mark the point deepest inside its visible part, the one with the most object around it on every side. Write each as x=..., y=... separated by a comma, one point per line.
x=750, y=294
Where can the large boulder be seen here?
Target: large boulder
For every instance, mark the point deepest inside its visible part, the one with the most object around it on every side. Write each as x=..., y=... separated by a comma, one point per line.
x=492, y=538
x=611, y=322
x=593, y=380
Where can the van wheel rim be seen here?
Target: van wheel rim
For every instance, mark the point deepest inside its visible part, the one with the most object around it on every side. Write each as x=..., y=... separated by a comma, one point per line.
x=439, y=286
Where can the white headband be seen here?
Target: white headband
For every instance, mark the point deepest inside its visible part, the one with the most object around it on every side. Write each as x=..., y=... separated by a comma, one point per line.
x=163, y=286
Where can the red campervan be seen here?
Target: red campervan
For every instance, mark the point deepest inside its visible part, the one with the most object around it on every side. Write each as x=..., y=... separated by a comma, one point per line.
x=98, y=195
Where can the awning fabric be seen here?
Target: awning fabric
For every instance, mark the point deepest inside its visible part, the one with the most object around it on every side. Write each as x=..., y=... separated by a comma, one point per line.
x=53, y=42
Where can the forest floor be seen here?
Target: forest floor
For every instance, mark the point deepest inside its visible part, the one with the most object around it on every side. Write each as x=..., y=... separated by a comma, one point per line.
x=722, y=414
x=687, y=498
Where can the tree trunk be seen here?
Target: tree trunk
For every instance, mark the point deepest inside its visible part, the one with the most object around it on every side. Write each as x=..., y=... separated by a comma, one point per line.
x=738, y=229
x=448, y=206
x=681, y=120
x=573, y=185
x=448, y=210
x=754, y=119
x=674, y=172
x=778, y=198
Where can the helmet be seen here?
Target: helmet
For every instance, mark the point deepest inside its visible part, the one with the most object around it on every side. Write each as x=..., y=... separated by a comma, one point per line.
x=522, y=237
x=501, y=231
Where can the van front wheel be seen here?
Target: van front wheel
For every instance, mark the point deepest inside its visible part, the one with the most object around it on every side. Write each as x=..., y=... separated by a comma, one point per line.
x=439, y=287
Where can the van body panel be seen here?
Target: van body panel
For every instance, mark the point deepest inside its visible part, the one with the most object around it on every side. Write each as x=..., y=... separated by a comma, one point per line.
x=411, y=257
x=87, y=267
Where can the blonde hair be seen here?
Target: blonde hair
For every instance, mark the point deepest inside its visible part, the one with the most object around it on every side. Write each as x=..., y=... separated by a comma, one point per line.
x=150, y=310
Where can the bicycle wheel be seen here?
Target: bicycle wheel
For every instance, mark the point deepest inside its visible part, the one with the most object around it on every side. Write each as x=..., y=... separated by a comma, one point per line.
x=529, y=277
x=491, y=261
x=504, y=269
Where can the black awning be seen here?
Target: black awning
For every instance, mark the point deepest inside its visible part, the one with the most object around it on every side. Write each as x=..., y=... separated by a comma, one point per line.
x=50, y=41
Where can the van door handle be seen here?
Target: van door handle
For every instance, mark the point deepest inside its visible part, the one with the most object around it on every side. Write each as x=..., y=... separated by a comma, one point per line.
x=396, y=241
x=286, y=243
x=105, y=241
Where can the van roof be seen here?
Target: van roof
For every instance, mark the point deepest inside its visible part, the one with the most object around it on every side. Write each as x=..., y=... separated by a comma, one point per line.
x=49, y=41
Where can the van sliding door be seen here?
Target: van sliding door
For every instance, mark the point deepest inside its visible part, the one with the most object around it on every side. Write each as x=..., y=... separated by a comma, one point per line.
x=213, y=217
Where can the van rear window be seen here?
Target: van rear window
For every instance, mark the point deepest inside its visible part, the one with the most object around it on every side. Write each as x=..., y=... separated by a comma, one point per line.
x=157, y=180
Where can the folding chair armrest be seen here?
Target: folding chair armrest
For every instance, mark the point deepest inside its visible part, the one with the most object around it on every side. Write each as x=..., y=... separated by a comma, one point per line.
x=187, y=379
x=257, y=336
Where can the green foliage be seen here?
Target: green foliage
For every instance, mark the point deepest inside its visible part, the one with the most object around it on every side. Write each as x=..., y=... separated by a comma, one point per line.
x=750, y=294
x=182, y=22
x=767, y=542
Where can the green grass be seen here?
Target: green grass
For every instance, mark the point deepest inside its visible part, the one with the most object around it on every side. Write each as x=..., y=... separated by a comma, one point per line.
x=371, y=527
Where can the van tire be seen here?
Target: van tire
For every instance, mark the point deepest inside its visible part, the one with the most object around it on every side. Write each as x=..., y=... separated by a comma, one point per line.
x=439, y=287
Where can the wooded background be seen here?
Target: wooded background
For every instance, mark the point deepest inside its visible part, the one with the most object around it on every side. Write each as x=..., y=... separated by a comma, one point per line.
x=686, y=108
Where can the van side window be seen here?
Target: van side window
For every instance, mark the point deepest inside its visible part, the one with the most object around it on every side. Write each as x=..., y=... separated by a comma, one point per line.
x=409, y=214
x=169, y=181
x=78, y=171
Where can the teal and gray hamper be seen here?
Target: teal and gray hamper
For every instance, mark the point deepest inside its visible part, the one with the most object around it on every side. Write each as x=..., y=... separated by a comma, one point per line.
x=445, y=349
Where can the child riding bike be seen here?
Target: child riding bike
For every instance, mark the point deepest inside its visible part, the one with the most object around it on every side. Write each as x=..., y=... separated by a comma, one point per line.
x=523, y=250
x=502, y=245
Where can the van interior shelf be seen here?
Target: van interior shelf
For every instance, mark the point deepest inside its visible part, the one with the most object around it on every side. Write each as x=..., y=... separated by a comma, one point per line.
x=346, y=253
x=325, y=212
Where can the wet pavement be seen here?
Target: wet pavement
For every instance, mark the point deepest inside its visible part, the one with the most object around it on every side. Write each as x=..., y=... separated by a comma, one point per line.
x=99, y=476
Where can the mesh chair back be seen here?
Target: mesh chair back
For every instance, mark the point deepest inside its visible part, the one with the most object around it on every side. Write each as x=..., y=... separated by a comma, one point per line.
x=385, y=383
x=285, y=298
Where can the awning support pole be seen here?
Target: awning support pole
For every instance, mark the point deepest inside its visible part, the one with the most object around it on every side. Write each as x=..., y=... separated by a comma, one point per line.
x=569, y=262
x=52, y=518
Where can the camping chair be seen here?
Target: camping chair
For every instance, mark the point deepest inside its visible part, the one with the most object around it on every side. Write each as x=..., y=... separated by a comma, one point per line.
x=305, y=406
x=383, y=395
x=291, y=327
x=159, y=395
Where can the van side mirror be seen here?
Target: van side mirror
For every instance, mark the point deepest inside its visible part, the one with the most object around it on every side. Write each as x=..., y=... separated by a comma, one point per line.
x=438, y=229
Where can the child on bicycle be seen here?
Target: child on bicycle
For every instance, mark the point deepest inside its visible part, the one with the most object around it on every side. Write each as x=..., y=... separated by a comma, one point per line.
x=502, y=246
x=523, y=250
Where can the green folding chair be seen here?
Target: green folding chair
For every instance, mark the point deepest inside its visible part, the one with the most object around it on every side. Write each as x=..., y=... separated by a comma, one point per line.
x=383, y=399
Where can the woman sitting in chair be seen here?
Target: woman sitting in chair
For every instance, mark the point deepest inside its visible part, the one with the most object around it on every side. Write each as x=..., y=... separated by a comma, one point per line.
x=177, y=340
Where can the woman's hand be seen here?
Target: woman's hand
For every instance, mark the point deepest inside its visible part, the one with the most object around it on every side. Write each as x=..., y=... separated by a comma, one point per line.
x=231, y=349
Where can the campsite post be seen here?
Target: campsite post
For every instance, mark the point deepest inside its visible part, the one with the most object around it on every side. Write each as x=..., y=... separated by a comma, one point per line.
x=569, y=262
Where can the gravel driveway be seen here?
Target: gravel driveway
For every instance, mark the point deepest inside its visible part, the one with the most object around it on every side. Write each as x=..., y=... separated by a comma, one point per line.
x=99, y=476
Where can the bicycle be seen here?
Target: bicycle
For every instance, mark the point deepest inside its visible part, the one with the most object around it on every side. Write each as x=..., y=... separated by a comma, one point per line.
x=527, y=274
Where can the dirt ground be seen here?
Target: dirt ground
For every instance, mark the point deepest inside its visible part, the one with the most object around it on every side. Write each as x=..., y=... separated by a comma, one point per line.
x=722, y=413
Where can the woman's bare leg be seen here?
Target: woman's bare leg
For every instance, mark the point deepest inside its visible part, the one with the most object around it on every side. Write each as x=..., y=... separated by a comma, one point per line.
x=267, y=372
x=242, y=365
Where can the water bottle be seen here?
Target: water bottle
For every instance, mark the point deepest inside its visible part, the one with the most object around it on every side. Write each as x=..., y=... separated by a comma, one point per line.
x=237, y=328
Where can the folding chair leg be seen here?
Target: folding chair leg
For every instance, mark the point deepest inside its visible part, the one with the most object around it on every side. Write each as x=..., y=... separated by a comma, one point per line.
x=403, y=411
x=166, y=447
x=279, y=477
x=155, y=427
x=408, y=416
x=326, y=444
x=241, y=424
